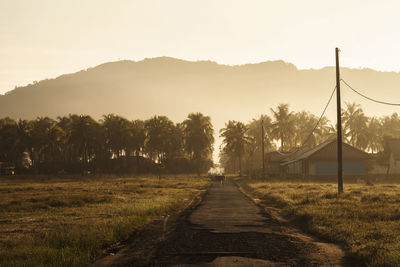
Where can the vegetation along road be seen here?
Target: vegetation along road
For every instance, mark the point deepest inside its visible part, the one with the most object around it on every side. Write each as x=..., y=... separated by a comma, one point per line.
x=228, y=229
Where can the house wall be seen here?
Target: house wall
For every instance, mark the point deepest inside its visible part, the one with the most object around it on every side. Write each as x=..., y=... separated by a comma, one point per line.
x=394, y=165
x=273, y=168
x=295, y=168
x=329, y=167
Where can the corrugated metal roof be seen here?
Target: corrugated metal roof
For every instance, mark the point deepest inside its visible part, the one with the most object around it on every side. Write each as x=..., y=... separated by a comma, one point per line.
x=327, y=150
x=276, y=156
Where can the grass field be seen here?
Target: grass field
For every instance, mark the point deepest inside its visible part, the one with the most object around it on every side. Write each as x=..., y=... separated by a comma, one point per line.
x=70, y=221
x=365, y=219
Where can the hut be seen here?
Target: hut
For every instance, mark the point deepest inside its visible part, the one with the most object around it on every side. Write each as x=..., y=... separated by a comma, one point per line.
x=322, y=161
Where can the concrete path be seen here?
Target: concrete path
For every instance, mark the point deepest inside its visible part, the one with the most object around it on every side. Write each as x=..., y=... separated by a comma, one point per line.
x=226, y=210
x=228, y=229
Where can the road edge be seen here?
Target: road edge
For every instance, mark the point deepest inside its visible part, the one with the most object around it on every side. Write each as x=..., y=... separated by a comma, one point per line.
x=140, y=247
x=297, y=231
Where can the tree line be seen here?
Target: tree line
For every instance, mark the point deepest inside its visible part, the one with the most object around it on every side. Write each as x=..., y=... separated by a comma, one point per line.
x=78, y=143
x=285, y=130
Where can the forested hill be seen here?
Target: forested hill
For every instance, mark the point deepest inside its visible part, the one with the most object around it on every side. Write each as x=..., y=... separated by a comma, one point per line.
x=173, y=87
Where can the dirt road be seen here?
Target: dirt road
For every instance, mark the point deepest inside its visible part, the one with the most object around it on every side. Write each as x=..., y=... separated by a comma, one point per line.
x=228, y=229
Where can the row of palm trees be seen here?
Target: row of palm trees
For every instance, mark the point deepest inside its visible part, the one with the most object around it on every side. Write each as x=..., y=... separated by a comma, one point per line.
x=286, y=130
x=83, y=141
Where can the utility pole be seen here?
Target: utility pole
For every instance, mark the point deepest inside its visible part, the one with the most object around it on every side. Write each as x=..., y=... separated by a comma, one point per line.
x=262, y=149
x=339, y=125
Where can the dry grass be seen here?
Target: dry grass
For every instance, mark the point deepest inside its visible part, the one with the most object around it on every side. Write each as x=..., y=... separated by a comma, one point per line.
x=365, y=219
x=69, y=221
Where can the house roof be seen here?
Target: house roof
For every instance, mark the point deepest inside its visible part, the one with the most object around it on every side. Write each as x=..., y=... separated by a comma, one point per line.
x=326, y=150
x=276, y=156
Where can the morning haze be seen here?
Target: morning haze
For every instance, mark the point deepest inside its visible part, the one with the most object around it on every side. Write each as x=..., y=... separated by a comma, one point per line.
x=175, y=87
x=199, y=133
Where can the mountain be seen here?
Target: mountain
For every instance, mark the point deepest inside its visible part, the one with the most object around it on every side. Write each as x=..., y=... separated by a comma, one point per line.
x=174, y=87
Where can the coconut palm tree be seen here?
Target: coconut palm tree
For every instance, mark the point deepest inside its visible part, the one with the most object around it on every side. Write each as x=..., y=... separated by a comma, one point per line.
x=158, y=130
x=308, y=132
x=355, y=126
x=83, y=129
x=391, y=125
x=40, y=135
x=253, y=151
x=235, y=140
x=118, y=133
x=138, y=136
x=374, y=133
x=199, y=139
x=283, y=125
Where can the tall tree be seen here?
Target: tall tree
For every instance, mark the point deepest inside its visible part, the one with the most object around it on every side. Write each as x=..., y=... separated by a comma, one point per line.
x=138, y=136
x=253, y=150
x=41, y=140
x=235, y=140
x=158, y=130
x=374, y=134
x=199, y=139
x=283, y=125
x=118, y=133
x=355, y=125
x=83, y=131
x=308, y=132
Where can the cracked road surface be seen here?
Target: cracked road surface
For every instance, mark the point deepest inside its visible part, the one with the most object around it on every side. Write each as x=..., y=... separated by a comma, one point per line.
x=228, y=229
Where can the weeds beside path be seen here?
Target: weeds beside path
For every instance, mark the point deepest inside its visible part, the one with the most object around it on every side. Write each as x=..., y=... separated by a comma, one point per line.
x=364, y=219
x=70, y=221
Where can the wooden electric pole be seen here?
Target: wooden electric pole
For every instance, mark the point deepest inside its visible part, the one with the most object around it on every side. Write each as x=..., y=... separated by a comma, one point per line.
x=339, y=125
x=262, y=149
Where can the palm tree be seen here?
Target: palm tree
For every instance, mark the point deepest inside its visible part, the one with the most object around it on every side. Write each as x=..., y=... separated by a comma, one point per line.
x=355, y=126
x=284, y=125
x=253, y=151
x=8, y=137
x=158, y=130
x=118, y=133
x=199, y=139
x=83, y=129
x=391, y=125
x=138, y=136
x=326, y=130
x=374, y=133
x=175, y=142
x=254, y=131
x=235, y=140
x=40, y=136
x=308, y=132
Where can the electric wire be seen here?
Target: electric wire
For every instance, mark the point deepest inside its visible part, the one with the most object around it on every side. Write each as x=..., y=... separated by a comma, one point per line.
x=369, y=98
x=319, y=120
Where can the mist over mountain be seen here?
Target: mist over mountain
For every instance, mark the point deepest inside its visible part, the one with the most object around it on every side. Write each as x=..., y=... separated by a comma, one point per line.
x=173, y=87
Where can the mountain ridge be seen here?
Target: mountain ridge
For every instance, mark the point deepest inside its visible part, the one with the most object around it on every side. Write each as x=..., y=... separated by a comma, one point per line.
x=176, y=87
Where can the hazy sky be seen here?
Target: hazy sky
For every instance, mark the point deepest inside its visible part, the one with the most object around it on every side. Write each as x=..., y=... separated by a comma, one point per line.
x=46, y=38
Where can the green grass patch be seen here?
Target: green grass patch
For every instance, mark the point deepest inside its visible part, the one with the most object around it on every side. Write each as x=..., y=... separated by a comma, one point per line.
x=365, y=219
x=70, y=221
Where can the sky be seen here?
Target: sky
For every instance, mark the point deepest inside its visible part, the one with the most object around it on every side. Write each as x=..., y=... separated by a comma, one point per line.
x=42, y=39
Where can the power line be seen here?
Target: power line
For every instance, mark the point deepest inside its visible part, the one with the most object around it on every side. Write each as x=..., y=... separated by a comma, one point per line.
x=369, y=98
x=320, y=118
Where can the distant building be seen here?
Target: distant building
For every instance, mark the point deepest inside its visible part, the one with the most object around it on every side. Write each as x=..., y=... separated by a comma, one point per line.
x=322, y=161
x=273, y=162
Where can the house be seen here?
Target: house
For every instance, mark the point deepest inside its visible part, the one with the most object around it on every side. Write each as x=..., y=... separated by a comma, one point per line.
x=7, y=168
x=322, y=161
x=273, y=162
